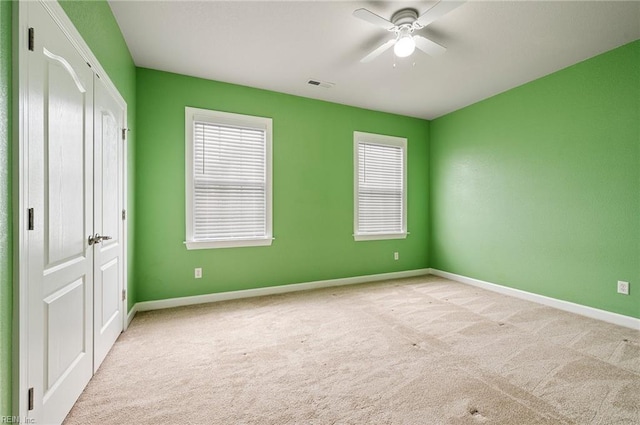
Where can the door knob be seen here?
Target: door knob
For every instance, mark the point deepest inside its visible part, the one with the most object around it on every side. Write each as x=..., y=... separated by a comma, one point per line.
x=94, y=239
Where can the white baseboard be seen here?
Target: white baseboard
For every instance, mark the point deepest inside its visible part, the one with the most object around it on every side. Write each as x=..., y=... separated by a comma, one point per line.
x=131, y=315
x=594, y=313
x=271, y=290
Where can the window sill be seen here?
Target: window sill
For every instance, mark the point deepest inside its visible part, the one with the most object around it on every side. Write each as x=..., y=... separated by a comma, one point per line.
x=237, y=243
x=380, y=236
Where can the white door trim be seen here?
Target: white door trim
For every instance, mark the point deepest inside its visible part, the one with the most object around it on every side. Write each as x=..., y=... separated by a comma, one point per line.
x=20, y=182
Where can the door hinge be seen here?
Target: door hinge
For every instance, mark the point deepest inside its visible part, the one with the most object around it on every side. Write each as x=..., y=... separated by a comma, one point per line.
x=30, y=219
x=124, y=294
x=124, y=134
x=30, y=399
x=124, y=214
x=31, y=39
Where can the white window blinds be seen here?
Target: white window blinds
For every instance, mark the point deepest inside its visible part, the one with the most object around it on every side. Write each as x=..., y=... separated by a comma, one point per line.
x=230, y=182
x=380, y=204
x=229, y=176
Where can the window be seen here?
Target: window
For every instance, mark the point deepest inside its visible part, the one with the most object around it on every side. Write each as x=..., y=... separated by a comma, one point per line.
x=380, y=187
x=228, y=179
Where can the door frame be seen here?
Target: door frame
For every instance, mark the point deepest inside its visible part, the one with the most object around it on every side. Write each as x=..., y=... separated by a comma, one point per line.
x=20, y=184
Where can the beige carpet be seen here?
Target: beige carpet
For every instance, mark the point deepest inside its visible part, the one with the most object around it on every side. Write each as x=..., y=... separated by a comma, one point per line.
x=414, y=351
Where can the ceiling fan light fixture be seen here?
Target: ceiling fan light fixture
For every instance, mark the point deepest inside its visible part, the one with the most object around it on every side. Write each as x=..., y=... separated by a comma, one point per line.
x=403, y=23
x=404, y=46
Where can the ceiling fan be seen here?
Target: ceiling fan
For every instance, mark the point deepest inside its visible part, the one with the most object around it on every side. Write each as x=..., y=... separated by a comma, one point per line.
x=403, y=24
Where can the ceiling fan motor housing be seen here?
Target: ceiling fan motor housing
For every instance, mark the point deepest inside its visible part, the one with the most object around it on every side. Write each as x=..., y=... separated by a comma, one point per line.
x=404, y=17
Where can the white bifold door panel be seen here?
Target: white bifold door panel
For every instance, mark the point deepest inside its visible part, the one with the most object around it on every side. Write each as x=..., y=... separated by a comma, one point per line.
x=74, y=182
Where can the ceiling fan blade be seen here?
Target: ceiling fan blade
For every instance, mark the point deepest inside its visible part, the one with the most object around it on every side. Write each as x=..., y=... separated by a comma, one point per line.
x=372, y=18
x=440, y=9
x=429, y=47
x=371, y=56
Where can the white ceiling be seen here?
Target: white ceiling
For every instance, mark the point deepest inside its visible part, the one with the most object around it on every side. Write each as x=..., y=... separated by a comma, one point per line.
x=279, y=45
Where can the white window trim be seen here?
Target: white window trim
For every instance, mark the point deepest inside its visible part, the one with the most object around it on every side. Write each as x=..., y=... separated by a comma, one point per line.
x=378, y=139
x=217, y=117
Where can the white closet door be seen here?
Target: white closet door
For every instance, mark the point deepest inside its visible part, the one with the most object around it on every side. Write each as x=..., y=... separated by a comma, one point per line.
x=108, y=186
x=60, y=191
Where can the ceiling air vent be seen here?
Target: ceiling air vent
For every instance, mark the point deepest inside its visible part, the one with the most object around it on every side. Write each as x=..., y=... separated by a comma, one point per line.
x=318, y=83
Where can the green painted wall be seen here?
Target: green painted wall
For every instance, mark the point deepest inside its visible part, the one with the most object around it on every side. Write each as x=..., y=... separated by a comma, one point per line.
x=312, y=192
x=538, y=188
x=97, y=25
x=5, y=209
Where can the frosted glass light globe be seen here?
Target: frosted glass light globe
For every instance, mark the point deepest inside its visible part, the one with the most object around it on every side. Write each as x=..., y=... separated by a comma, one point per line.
x=404, y=46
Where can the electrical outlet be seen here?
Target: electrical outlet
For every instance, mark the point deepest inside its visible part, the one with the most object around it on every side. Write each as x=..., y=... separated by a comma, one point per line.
x=396, y=256
x=198, y=273
x=623, y=287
